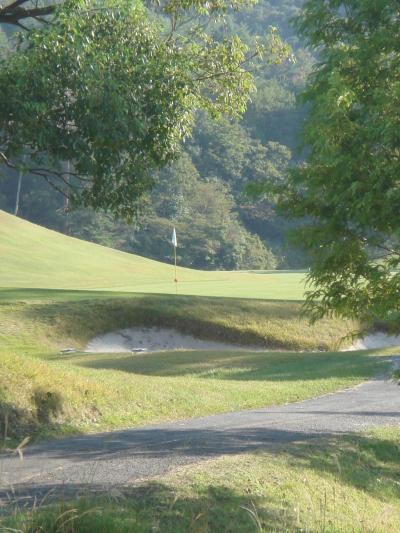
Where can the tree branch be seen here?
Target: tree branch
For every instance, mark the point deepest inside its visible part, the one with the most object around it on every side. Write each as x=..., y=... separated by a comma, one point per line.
x=14, y=13
x=15, y=4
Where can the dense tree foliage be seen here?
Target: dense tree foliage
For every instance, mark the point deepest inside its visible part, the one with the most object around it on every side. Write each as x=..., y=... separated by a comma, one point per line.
x=348, y=191
x=3, y=43
x=103, y=93
x=203, y=212
x=113, y=90
x=220, y=159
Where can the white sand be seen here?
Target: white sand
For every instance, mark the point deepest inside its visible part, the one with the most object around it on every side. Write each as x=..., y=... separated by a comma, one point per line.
x=374, y=341
x=154, y=340
x=159, y=339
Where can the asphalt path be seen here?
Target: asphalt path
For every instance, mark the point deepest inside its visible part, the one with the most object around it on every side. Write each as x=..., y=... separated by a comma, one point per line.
x=118, y=458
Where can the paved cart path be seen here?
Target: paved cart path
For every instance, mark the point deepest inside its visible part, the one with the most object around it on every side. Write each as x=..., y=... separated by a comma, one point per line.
x=119, y=457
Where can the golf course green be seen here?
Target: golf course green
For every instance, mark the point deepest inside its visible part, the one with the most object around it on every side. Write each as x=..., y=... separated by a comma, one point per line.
x=35, y=257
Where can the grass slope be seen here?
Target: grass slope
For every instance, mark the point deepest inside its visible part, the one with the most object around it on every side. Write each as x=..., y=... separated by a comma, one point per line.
x=338, y=485
x=35, y=257
x=42, y=392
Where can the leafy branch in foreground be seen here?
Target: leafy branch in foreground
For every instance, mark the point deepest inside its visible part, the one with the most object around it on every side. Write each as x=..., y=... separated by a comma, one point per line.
x=112, y=89
x=348, y=191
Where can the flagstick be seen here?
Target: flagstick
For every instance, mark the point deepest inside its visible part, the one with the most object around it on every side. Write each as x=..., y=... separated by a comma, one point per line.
x=176, y=279
x=175, y=244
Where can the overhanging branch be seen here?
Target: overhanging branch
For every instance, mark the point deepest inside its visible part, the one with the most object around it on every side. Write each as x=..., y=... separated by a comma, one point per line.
x=15, y=12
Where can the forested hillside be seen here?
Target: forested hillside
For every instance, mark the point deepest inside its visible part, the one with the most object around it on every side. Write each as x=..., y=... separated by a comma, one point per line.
x=203, y=194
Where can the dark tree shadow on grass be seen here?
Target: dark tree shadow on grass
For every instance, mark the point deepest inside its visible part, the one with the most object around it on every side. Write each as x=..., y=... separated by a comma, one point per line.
x=360, y=462
x=152, y=506
x=240, y=366
x=17, y=424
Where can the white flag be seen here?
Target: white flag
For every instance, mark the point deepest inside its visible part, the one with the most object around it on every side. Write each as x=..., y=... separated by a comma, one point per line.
x=174, y=239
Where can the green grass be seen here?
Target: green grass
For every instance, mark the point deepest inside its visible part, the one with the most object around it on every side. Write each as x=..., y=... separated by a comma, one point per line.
x=35, y=257
x=270, y=324
x=335, y=485
x=91, y=393
x=59, y=292
x=43, y=393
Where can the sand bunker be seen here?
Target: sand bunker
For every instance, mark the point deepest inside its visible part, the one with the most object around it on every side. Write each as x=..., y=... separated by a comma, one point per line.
x=374, y=341
x=153, y=340
x=163, y=339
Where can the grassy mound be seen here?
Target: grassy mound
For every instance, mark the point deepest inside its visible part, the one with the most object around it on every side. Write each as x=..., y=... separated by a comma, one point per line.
x=45, y=393
x=335, y=485
x=269, y=324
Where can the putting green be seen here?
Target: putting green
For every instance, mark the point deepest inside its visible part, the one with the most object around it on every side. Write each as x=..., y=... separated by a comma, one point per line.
x=35, y=257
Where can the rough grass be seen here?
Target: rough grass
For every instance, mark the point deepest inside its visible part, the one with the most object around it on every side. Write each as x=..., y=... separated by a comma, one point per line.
x=342, y=484
x=61, y=317
x=44, y=393
x=35, y=257
x=99, y=392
